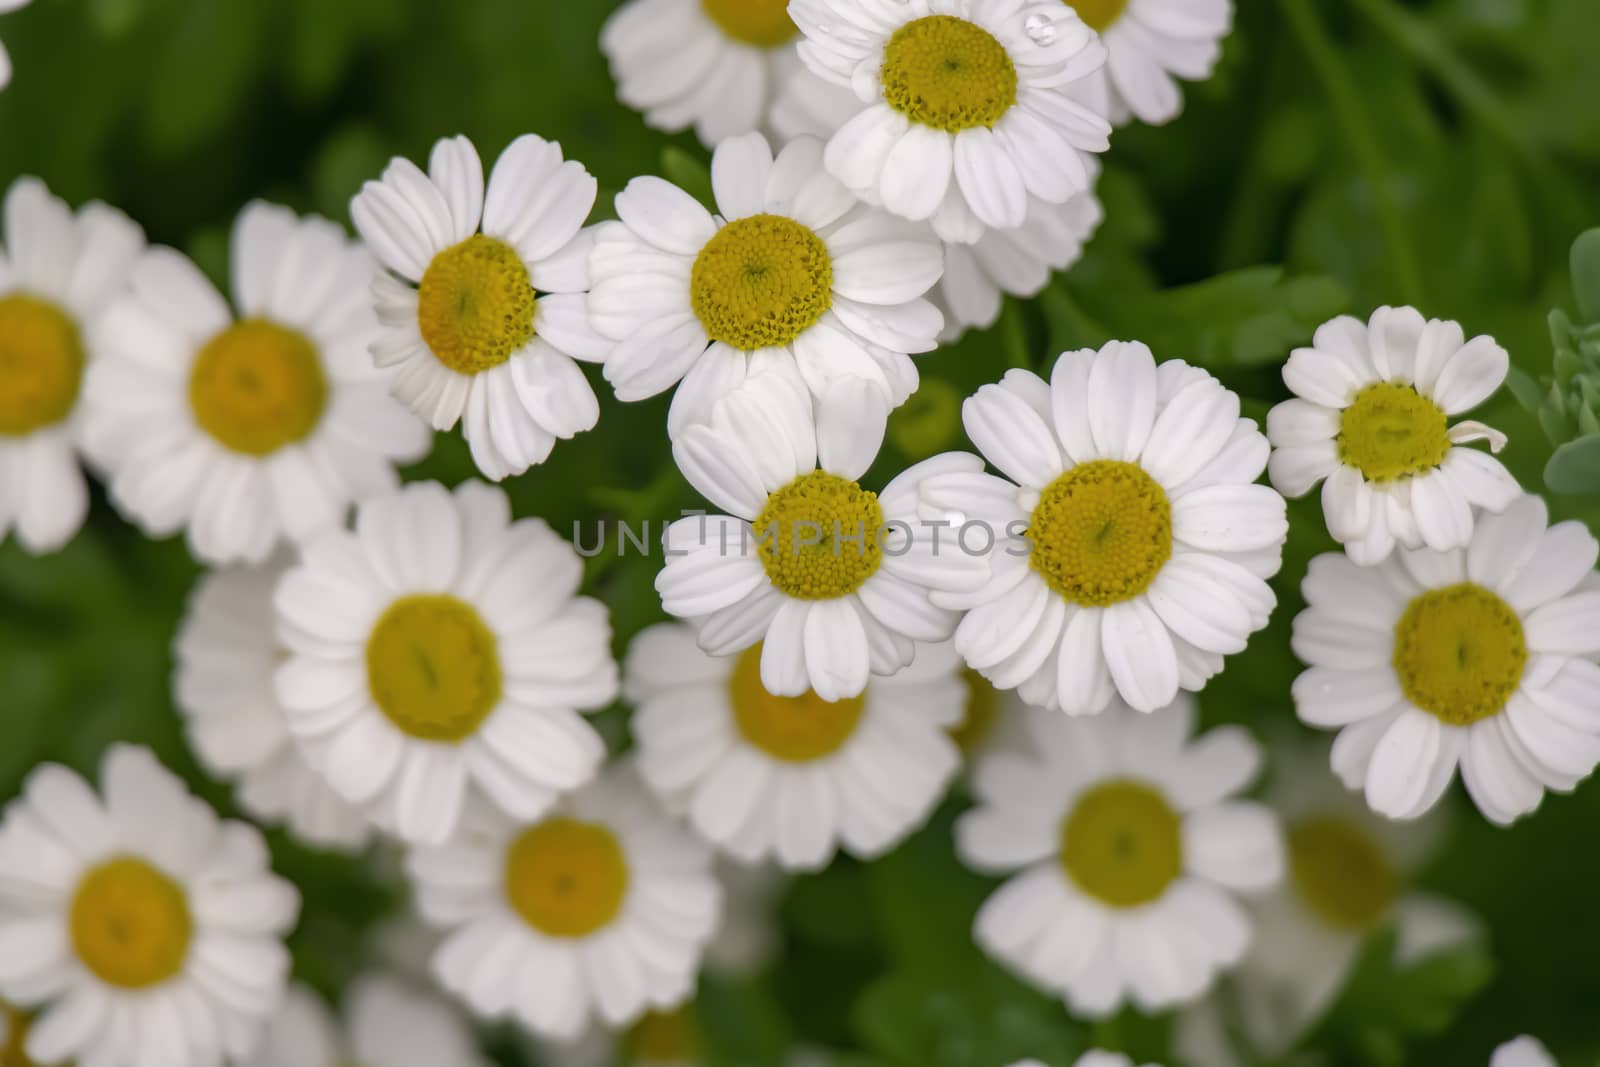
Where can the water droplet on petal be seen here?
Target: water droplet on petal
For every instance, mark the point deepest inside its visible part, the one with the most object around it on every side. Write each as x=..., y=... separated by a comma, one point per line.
x=1041, y=29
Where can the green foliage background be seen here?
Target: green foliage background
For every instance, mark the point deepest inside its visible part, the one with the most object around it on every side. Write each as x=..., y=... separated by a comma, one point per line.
x=1349, y=153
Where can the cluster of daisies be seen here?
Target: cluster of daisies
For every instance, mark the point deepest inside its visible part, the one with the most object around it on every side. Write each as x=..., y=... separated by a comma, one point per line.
x=1028, y=623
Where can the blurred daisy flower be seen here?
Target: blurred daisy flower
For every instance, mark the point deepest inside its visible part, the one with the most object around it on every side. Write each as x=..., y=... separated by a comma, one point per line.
x=387, y=1023
x=792, y=268
x=136, y=911
x=1481, y=656
x=6, y=7
x=593, y=915
x=1523, y=1051
x=1371, y=416
x=439, y=652
x=227, y=651
x=59, y=273
x=1132, y=546
x=965, y=112
x=245, y=430
x=791, y=779
x=1150, y=44
x=1351, y=875
x=715, y=65
x=481, y=295
x=1130, y=850
x=831, y=579
x=1019, y=262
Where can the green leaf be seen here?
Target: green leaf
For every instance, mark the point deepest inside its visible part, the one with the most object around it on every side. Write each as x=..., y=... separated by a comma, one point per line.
x=1586, y=275
x=1525, y=389
x=1386, y=1005
x=980, y=1018
x=1574, y=469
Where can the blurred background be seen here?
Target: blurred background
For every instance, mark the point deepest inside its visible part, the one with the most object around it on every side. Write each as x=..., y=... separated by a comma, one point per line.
x=1348, y=154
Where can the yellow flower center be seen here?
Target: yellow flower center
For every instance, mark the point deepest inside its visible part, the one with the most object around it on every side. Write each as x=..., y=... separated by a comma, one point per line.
x=1122, y=844
x=475, y=305
x=1340, y=871
x=41, y=364
x=762, y=23
x=433, y=667
x=761, y=282
x=1099, y=14
x=257, y=387
x=1101, y=532
x=566, y=878
x=793, y=729
x=666, y=1037
x=983, y=708
x=818, y=537
x=1391, y=431
x=130, y=924
x=1459, y=652
x=948, y=73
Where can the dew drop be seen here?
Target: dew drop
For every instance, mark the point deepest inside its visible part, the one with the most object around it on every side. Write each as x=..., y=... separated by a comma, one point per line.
x=1041, y=29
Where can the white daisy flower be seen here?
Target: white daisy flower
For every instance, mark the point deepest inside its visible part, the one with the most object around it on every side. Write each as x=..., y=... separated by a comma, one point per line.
x=6, y=7
x=58, y=275
x=387, y=1023
x=1371, y=416
x=440, y=651
x=482, y=299
x=1482, y=657
x=143, y=928
x=227, y=651
x=791, y=779
x=1150, y=44
x=594, y=914
x=1132, y=547
x=965, y=110
x=832, y=579
x=715, y=65
x=1018, y=262
x=792, y=266
x=1523, y=1051
x=992, y=720
x=246, y=430
x=1130, y=853
x=1350, y=875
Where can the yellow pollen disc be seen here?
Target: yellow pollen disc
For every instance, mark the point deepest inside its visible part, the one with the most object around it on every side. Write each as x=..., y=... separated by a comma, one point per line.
x=1342, y=874
x=433, y=667
x=1101, y=533
x=1459, y=652
x=475, y=305
x=41, y=364
x=948, y=73
x=566, y=878
x=1391, y=431
x=257, y=387
x=666, y=1037
x=130, y=924
x=762, y=23
x=1099, y=14
x=818, y=537
x=793, y=729
x=761, y=282
x=983, y=708
x=1122, y=844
